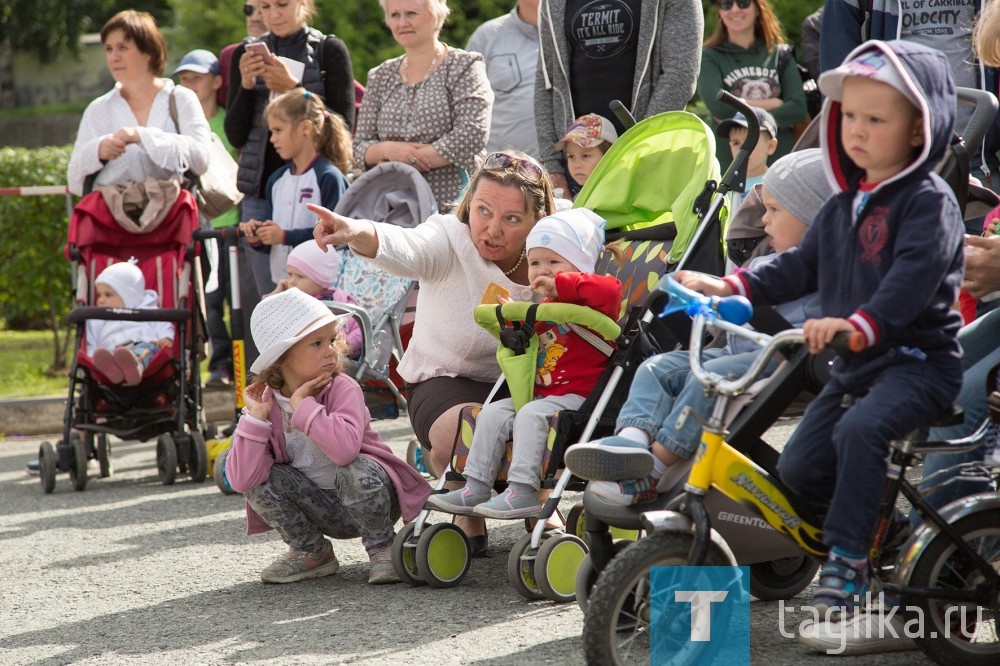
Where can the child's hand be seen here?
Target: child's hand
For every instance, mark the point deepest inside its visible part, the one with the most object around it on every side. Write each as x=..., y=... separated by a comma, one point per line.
x=270, y=233
x=706, y=284
x=248, y=230
x=545, y=285
x=280, y=287
x=258, y=399
x=819, y=332
x=311, y=387
x=164, y=342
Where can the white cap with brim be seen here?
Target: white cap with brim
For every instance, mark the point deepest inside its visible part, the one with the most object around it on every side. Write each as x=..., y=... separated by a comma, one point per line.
x=291, y=311
x=875, y=61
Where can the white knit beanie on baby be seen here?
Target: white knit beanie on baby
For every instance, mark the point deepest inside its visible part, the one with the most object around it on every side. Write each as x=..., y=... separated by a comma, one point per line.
x=319, y=266
x=577, y=235
x=126, y=279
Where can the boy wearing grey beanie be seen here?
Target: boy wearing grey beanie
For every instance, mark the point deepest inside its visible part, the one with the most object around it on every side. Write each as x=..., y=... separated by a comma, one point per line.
x=798, y=185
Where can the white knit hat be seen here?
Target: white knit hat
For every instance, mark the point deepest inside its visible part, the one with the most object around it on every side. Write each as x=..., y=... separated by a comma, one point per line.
x=126, y=279
x=279, y=321
x=577, y=235
x=319, y=266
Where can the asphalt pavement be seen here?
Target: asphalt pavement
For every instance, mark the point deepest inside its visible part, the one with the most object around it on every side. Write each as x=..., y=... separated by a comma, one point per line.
x=130, y=571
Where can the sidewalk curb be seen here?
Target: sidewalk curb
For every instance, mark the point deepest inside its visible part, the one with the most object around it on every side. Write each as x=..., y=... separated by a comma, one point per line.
x=44, y=416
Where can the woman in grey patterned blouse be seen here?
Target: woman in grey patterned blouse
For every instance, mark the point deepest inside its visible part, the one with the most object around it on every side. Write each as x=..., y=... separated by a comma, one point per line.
x=430, y=107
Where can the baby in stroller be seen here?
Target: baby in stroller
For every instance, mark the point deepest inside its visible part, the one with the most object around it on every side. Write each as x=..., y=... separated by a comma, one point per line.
x=562, y=251
x=121, y=350
x=315, y=272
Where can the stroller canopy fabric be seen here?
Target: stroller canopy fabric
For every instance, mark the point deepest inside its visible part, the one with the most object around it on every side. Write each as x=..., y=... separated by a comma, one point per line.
x=652, y=175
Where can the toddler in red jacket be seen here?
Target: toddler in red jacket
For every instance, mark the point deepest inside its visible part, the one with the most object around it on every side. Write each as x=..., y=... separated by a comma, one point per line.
x=562, y=252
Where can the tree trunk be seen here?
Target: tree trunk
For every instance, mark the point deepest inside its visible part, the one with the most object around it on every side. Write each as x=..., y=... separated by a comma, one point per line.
x=8, y=99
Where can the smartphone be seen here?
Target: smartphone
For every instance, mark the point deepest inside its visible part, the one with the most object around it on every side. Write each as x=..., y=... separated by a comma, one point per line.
x=260, y=48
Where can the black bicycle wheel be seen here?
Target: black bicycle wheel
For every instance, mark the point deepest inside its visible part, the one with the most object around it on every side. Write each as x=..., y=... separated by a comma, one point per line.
x=617, y=627
x=960, y=632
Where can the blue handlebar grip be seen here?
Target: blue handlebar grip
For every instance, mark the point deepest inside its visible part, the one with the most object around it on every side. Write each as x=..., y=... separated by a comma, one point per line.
x=734, y=309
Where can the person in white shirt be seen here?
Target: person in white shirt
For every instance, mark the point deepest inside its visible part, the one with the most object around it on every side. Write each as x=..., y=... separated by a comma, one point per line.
x=128, y=133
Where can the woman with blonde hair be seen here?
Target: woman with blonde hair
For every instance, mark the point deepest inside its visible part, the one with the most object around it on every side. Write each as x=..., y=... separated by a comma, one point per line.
x=450, y=362
x=429, y=108
x=747, y=56
x=291, y=55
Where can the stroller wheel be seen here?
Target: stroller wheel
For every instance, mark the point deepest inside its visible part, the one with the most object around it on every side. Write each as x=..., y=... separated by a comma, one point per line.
x=219, y=473
x=781, y=579
x=166, y=459
x=443, y=555
x=78, y=463
x=47, y=467
x=521, y=568
x=104, y=455
x=197, y=457
x=558, y=560
x=575, y=524
x=404, y=556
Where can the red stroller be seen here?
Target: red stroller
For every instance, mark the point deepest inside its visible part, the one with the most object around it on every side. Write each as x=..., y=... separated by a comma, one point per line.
x=166, y=403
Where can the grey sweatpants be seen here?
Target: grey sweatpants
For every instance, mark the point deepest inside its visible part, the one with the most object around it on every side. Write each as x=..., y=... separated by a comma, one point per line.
x=363, y=503
x=497, y=424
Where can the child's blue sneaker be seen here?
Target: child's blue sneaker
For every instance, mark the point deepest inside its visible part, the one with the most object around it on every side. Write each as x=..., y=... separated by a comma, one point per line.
x=625, y=493
x=843, y=586
x=610, y=459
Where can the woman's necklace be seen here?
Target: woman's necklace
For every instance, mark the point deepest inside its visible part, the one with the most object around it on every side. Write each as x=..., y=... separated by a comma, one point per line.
x=404, y=69
x=520, y=260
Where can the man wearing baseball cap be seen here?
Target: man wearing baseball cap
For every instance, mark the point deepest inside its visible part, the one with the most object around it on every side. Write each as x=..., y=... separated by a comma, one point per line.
x=199, y=71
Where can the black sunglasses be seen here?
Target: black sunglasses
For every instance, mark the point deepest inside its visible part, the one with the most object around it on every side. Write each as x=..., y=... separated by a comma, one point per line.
x=726, y=5
x=248, y=10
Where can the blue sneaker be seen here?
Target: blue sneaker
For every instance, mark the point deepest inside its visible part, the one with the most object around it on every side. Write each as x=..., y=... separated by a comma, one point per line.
x=842, y=588
x=610, y=459
x=625, y=493
x=32, y=467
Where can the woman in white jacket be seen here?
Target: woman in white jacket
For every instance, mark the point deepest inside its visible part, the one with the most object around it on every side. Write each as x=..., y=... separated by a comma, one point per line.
x=129, y=134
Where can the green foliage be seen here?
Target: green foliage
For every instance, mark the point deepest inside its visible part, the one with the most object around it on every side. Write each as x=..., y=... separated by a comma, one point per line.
x=34, y=275
x=25, y=365
x=50, y=27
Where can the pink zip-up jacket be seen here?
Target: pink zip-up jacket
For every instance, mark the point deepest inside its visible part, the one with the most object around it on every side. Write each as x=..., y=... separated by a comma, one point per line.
x=338, y=421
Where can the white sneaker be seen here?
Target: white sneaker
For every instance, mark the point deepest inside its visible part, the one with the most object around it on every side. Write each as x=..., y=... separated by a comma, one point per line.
x=868, y=631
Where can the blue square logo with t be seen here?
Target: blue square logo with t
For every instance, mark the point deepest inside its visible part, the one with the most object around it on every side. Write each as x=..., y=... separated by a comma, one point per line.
x=699, y=616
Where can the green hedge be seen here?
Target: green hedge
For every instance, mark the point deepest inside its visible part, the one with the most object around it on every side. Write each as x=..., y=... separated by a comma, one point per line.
x=34, y=276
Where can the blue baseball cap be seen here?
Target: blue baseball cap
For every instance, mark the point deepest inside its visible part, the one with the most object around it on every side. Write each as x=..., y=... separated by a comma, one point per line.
x=199, y=61
x=764, y=119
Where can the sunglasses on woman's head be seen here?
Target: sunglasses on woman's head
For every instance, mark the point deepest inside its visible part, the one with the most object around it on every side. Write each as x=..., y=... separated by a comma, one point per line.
x=504, y=161
x=726, y=5
x=248, y=9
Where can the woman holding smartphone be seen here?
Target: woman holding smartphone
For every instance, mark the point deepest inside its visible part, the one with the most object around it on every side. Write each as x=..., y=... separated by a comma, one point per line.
x=292, y=54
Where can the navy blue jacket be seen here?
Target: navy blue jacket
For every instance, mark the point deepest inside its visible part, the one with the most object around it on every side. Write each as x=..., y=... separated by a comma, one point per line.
x=894, y=272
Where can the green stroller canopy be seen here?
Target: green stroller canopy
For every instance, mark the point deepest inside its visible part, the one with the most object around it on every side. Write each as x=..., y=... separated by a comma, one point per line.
x=652, y=175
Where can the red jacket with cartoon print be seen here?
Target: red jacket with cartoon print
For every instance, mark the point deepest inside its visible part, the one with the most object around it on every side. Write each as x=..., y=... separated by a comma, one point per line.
x=567, y=363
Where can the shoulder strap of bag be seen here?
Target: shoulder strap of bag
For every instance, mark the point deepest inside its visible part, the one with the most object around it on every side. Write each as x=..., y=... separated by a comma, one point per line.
x=173, y=111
